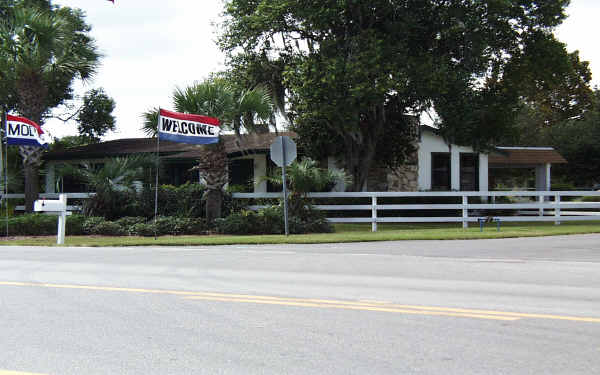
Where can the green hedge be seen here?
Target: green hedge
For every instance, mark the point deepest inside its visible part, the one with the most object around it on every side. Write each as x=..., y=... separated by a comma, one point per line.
x=44, y=225
x=182, y=201
x=270, y=221
x=40, y=225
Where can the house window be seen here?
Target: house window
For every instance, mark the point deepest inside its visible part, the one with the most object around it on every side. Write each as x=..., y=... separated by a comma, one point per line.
x=179, y=173
x=241, y=175
x=469, y=172
x=272, y=171
x=440, y=171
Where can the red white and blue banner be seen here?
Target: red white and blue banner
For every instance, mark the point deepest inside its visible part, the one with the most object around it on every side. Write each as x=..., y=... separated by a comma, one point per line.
x=24, y=132
x=186, y=128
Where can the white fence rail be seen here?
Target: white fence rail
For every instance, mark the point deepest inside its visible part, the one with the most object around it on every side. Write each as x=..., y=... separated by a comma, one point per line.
x=544, y=203
x=546, y=206
x=50, y=196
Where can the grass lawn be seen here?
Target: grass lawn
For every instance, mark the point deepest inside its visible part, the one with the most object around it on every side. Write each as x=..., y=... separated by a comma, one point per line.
x=343, y=233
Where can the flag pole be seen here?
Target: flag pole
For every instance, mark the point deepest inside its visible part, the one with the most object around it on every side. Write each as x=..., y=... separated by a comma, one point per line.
x=157, y=168
x=5, y=163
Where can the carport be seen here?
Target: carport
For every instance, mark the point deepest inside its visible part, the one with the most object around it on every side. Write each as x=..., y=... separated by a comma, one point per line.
x=538, y=158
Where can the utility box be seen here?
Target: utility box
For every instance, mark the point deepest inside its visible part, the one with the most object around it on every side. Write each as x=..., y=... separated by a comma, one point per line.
x=55, y=207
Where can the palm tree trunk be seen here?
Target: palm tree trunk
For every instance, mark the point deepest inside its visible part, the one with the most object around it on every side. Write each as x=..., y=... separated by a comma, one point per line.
x=32, y=93
x=31, y=186
x=213, y=169
x=32, y=158
x=214, y=201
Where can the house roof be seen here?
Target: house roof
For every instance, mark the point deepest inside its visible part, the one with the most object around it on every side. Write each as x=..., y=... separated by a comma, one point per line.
x=525, y=156
x=169, y=150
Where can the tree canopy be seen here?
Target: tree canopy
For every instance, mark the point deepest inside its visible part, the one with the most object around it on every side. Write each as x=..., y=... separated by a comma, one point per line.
x=43, y=49
x=354, y=70
x=95, y=117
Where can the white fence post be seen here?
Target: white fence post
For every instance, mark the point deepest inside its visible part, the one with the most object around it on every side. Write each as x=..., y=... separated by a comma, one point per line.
x=374, y=214
x=557, y=208
x=541, y=201
x=465, y=211
x=62, y=221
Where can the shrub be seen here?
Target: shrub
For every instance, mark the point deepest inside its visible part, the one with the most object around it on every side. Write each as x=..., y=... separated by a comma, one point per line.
x=143, y=229
x=270, y=220
x=563, y=186
x=112, y=204
x=128, y=221
x=242, y=222
x=183, y=201
x=99, y=226
x=75, y=225
x=178, y=225
x=91, y=222
x=590, y=199
x=31, y=224
x=40, y=225
x=168, y=225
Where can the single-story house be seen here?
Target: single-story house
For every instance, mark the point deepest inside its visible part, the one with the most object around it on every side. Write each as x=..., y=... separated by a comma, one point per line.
x=436, y=164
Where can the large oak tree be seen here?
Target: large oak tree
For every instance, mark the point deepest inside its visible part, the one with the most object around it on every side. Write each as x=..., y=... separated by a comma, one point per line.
x=354, y=70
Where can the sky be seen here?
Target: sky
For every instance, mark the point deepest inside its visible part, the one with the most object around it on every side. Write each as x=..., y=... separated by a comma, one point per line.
x=150, y=47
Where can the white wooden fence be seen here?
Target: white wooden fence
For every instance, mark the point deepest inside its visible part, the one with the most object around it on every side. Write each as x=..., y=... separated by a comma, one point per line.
x=49, y=196
x=543, y=202
x=546, y=206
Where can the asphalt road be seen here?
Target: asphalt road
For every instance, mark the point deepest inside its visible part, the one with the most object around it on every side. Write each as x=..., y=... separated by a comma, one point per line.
x=510, y=306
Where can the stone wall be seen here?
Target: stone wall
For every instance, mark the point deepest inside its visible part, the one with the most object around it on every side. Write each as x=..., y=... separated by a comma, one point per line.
x=403, y=178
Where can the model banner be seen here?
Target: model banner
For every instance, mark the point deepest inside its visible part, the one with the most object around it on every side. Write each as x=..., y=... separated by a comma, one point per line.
x=24, y=132
x=186, y=128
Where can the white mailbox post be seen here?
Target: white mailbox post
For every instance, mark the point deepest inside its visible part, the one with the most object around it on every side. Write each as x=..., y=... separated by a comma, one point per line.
x=55, y=207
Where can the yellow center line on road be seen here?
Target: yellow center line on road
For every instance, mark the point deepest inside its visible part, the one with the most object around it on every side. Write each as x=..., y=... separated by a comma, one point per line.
x=322, y=303
x=351, y=307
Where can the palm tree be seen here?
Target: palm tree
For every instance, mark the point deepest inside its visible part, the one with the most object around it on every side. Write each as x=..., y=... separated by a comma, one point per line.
x=237, y=111
x=150, y=122
x=303, y=177
x=46, y=49
x=116, y=175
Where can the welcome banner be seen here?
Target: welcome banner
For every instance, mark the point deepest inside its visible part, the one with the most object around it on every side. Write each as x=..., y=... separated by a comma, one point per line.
x=186, y=128
x=21, y=131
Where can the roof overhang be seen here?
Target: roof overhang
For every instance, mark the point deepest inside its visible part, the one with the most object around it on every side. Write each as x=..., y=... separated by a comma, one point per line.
x=523, y=157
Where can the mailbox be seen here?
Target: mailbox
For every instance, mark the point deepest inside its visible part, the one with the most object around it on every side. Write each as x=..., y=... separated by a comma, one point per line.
x=49, y=205
x=55, y=207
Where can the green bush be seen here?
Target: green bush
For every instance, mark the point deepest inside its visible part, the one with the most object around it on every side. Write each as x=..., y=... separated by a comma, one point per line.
x=182, y=201
x=40, y=225
x=562, y=186
x=167, y=225
x=112, y=204
x=31, y=225
x=178, y=225
x=143, y=229
x=590, y=199
x=74, y=225
x=128, y=221
x=270, y=220
x=99, y=226
x=241, y=222
x=108, y=228
x=91, y=222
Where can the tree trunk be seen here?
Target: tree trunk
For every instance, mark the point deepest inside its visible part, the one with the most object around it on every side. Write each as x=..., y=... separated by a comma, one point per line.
x=361, y=146
x=213, y=168
x=359, y=158
x=31, y=186
x=32, y=93
x=214, y=200
x=31, y=163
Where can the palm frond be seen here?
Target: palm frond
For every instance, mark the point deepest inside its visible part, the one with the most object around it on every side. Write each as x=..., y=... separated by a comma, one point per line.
x=150, y=122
